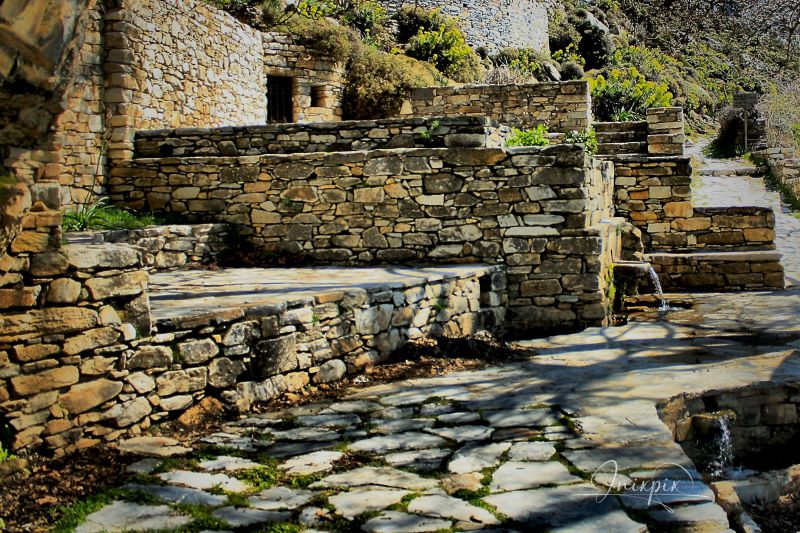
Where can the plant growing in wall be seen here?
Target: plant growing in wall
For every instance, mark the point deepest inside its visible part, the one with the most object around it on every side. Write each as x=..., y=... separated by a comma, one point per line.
x=587, y=137
x=427, y=134
x=537, y=136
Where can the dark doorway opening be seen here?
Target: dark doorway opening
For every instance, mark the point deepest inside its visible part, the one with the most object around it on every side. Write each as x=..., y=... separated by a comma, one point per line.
x=280, y=96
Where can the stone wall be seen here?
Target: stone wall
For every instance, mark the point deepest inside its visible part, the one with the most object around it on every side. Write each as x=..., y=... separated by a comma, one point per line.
x=784, y=164
x=665, y=131
x=147, y=64
x=68, y=315
x=493, y=24
x=81, y=365
x=536, y=210
x=764, y=415
x=718, y=271
x=324, y=137
x=311, y=71
x=166, y=247
x=562, y=107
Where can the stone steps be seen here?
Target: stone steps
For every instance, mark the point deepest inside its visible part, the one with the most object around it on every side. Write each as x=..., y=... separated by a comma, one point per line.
x=622, y=148
x=719, y=270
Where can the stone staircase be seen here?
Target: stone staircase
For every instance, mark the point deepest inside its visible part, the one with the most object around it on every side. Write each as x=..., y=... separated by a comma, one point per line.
x=621, y=138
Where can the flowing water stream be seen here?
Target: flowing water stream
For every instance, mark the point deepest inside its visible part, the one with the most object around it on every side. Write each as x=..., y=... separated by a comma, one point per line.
x=659, y=291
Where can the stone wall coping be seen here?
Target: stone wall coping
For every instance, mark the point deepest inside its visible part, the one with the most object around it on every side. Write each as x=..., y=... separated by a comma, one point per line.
x=756, y=256
x=733, y=210
x=452, y=89
x=364, y=155
x=645, y=158
x=297, y=127
x=219, y=316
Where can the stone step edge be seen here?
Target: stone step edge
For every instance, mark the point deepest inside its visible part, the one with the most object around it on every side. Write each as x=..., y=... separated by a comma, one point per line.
x=166, y=324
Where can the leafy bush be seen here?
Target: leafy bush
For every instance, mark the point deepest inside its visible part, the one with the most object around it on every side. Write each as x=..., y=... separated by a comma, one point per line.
x=411, y=20
x=626, y=92
x=525, y=61
x=378, y=82
x=780, y=108
x=569, y=54
x=571, y=71
x=367, y=16
x=587, y=137
x=446, y=48
x=538, y=136
x=562, y=32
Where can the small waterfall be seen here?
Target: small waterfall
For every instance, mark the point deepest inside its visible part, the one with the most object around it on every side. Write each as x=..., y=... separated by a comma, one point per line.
x=723, y=446
x=659, y=291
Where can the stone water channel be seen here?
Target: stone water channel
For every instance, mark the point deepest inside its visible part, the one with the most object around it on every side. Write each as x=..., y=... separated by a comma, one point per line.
x=528, y=446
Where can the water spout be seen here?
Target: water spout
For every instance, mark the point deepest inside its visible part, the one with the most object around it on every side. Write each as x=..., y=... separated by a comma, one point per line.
x=723, y=446
x=659, y=291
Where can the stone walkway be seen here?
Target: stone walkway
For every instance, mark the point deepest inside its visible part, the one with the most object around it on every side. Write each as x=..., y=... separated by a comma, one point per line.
x=737, y=190
x=520, y=447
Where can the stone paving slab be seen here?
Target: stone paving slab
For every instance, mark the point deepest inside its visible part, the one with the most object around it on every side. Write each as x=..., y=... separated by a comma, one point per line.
x=553, y=433
x=196, y=292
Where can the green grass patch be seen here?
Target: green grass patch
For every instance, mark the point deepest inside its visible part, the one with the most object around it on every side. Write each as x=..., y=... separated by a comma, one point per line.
x=100, y=216
x=202, y=518
x=73, y=515
x=261, y=477
x=237, y=499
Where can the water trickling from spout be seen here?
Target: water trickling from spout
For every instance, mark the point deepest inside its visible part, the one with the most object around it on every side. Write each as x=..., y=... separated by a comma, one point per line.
x=723, y=445
x=659, y=290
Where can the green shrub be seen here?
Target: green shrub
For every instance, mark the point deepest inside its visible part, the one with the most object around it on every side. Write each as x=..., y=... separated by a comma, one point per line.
x=538, y=136
x=569, y=54
x=587, y=137
x=562, y=33
x=326, y=37
x=377, y=82
x=525, y=61
x=626, y=92
x=411, y=20
x=796, y=134
x=446, y=48
x=571, y=71
x=367, y=16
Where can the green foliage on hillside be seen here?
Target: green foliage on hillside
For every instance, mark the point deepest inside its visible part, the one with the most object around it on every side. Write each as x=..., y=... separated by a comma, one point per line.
x=703, y=53
x=439, y=41
x=624, y=94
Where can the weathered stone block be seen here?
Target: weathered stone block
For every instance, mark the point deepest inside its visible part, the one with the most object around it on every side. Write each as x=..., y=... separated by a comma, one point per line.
x=195, y=352
x=150, y=357
x=46, y=380
x=127, y=284
x=274, y=356
x=90, y=340
x=86, y=396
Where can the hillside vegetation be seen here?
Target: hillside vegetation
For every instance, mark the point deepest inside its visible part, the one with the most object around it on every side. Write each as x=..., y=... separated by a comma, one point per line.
x=636, y=54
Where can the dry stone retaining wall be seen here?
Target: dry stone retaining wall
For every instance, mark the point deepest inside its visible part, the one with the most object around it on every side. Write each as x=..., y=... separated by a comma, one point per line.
x=322, y=137
x=166, y=247
x=719, y=271
x=536, y=210
x=81, y=366
x=493, y=24
x=562, y=107
x=785, y=166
